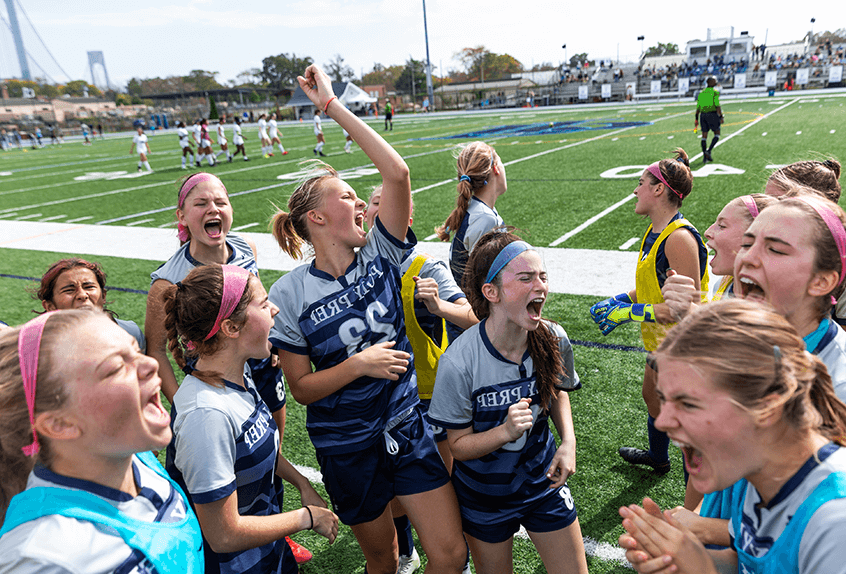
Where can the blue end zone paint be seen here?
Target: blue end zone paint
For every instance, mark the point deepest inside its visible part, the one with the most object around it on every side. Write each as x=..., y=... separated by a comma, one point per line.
x=573, y=341
x=542, y=128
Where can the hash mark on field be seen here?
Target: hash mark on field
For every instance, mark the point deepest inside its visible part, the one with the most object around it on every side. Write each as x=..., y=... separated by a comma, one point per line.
x=799, y=133
x=628, y=243
x=53, y=217
x=247, y=226
x=32, y=216
x=431, y=237
x=85, y=218
x=168, y=224
x=139, y=222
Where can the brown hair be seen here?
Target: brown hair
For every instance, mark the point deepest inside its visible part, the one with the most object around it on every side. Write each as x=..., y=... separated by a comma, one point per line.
x=48, y=280
x=475, y=160
x=827, y=256
x=50, y=395
x=291, y=229
x=821, y=176
x=677, y=173
x=542, y=343
x=191, y=308
x=753, y=353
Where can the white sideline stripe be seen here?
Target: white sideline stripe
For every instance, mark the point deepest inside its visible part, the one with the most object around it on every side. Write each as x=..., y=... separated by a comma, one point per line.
x=601, y=550
x=630, y=197
x=628, y=243
x=139, y=222
x=247, y=226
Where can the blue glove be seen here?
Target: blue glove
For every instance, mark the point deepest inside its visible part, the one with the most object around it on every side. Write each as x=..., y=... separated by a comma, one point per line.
x=599, y=310
x=626, y=313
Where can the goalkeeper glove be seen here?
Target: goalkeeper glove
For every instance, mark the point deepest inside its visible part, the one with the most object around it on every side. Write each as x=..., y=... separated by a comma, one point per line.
x=599, y=310
x=640, y=312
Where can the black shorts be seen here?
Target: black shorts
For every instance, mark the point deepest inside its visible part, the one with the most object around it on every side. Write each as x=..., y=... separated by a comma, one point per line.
x=709, y=122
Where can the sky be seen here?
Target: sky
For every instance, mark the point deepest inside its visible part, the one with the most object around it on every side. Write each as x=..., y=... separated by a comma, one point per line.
x=151, y=38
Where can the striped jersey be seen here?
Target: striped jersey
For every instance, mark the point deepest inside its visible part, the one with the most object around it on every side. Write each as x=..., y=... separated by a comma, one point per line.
x=330, y=320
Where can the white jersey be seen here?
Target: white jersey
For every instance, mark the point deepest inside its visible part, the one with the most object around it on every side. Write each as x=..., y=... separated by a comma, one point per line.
x=197, y=130
x=237, y=139
x=221, y=131
x=318, y=126
x=57, y=543
x=140, y=141
x=262, y=125
x=273, y=129
x=183, y=137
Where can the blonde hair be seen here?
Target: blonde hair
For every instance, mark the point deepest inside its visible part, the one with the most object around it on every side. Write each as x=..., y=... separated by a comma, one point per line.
x=291, y=229
x=50, y=395
x=475, y=161
x=754, y=354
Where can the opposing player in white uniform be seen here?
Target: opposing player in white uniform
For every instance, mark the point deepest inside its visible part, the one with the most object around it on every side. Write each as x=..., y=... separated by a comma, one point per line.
x=342, y=346
x=221, y=139
x=139, y=143
x=497, y=386
x=238, y=139
x=749, y=407
x=266, y=147
x=275, y=134
x=80, y=490
x=198, y=140
x=185, y=144
x=318, y=133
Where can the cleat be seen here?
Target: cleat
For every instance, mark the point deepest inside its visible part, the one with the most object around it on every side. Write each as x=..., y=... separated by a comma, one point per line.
x=708, y=156
x=322, y=154
x=301, y=553
x=409, y=564
x=246, y=159
x=284, y=153
x=315, y=151
x=230, y=160
x=270, y=155
x=639, y=456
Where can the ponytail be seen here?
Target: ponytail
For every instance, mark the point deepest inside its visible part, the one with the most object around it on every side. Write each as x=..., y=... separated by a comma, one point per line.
x=475, y=165
x=547, y=361
x=291, y=229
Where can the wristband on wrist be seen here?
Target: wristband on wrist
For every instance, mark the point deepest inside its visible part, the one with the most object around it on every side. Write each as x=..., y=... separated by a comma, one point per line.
x=326, y=107
x=311, y=517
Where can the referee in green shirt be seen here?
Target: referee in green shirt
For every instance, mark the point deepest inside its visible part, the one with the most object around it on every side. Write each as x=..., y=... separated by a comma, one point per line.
x=708, y=107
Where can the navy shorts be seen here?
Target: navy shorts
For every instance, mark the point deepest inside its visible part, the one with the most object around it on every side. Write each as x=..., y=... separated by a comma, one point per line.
x=362, y=483
x=555, y=511
x=709, y=122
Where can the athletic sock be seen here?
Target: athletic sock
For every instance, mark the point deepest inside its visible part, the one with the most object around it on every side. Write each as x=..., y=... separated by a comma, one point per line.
x=147, y=165
x=183, y=161
x=281, y=149
x=713, y=142
x=218, y=154
x=319, y=147
x=704, y=143
x=404, y=539
x=659, y=442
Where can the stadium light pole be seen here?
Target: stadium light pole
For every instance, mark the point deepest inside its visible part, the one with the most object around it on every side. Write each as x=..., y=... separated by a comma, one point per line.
x=811, y=37
x=641, y=38
x=429, y=90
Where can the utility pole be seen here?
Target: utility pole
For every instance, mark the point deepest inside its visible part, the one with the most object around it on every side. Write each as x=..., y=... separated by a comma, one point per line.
x=429, y=89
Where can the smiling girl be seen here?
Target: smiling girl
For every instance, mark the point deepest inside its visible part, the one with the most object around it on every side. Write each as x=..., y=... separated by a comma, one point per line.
x=344, y=351
x=508, y=471
x=671, y=243
x=226, y=444
x=765, y=420
x=80, y=410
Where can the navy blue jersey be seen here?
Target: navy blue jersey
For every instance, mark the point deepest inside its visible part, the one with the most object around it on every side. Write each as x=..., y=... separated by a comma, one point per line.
x=330, y=320
x=474, y=388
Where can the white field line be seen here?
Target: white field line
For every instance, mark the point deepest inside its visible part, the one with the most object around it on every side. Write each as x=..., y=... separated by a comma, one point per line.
x=54, y=217
x=628, y=243
x=247, y=226
x=630, y=197
x=30, y=216
x=537, y=155
x=139, y=222
x=601, y=550
x=78, y=219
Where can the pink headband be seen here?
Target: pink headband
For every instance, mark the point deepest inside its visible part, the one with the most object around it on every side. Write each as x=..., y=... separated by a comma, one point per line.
x=835, y=226
x=655, y=170
x=235, y=280
x=29, y=344
x=750, y=205
x=191, y=183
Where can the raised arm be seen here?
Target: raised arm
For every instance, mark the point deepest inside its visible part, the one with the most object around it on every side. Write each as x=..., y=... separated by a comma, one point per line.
x=396, y=182
x=156, y=335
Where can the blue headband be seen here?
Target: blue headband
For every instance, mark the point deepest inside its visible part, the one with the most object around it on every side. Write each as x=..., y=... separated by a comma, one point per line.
x=464, y=178
x=505, y=256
